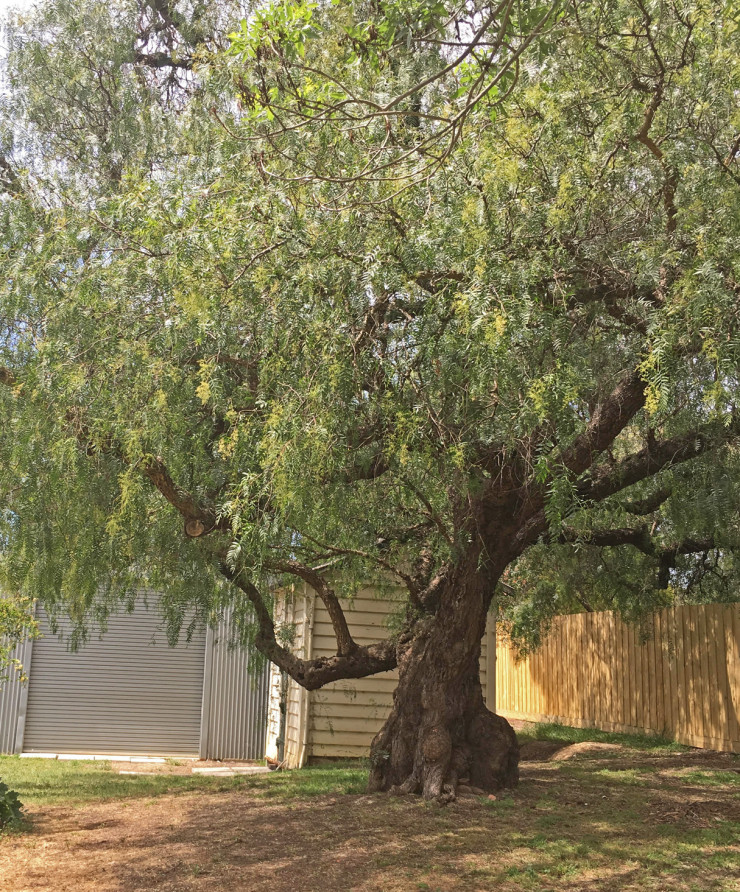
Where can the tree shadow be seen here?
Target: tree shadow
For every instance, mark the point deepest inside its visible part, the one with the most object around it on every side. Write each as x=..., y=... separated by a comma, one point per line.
x=568, y=826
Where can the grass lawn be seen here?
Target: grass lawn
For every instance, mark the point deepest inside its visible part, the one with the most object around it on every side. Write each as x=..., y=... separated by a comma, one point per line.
x=43, y=782
x=623, y=814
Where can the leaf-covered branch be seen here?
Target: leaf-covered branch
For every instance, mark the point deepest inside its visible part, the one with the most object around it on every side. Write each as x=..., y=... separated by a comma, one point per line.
x=607, y=480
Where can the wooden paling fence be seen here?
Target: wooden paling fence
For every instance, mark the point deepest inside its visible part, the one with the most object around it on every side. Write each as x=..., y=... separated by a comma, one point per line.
x=678, y=675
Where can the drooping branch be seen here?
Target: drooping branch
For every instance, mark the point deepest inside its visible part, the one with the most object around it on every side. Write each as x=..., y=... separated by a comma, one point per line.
x=311, y=674
x=199, y=519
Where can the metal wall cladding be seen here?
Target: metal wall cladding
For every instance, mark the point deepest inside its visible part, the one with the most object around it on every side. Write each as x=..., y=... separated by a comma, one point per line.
x=235, y=699
x=126, y=691
x=12, y=692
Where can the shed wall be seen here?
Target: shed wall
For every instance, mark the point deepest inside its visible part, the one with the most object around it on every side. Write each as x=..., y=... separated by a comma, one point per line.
x=235, y=696
x=12, y=698
x=128, y=691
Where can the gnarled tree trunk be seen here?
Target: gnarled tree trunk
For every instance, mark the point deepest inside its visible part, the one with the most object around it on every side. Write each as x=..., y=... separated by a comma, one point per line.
x=440, y=732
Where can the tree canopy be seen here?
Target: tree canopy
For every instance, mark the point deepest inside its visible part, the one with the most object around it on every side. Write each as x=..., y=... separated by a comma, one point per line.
x=342, y=292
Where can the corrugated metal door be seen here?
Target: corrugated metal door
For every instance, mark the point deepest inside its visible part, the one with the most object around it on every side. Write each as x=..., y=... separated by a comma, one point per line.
x=127, y=692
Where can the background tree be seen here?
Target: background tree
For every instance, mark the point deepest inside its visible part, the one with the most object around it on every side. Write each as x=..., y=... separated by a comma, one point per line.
x=429, y=295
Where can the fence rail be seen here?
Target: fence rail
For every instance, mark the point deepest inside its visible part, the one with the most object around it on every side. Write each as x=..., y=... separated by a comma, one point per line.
x=679, y=676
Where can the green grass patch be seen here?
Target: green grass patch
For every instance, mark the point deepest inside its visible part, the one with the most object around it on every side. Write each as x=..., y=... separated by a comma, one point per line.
x=314, y=780
x=716, y=778
x=53, y=782
x=564, y=734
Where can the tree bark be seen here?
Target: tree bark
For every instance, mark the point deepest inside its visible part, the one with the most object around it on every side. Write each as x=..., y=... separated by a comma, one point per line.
x=440, y=733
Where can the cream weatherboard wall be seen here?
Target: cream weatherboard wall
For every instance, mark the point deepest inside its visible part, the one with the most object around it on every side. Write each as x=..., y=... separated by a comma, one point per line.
x=339, y=720
x=128, y=691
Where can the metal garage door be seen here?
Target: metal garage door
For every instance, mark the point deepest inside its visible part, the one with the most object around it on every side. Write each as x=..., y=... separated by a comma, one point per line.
x=127, y=692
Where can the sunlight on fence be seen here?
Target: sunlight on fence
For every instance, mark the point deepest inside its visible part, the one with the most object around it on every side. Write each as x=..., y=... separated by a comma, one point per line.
x=679, y=675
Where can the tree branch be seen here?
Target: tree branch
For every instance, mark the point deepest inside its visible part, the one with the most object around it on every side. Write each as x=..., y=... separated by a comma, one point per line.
x=407, y=579
x=162, y=60
x=641, y=507
x=345, y=643
x=199, y=520
x=311, y=674
x=607, y=480
x=639, y=538
x=608, y=420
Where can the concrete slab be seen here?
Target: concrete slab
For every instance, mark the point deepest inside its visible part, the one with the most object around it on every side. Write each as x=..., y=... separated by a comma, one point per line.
x=38, y=755
x=231, y=770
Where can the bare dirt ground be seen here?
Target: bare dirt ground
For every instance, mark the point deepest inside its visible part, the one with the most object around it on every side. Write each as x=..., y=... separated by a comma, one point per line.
x=607, y=820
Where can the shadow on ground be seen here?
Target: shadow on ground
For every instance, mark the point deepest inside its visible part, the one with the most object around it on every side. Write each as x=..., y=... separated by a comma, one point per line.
x=607, y=822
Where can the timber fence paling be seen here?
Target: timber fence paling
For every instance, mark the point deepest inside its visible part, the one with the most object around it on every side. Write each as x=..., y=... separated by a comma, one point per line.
x=679, y=675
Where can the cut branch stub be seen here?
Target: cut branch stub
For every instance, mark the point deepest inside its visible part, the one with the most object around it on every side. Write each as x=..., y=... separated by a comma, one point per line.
x=194, y=527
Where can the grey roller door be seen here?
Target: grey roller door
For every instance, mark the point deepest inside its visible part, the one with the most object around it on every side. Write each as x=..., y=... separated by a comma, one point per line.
x=127, y=692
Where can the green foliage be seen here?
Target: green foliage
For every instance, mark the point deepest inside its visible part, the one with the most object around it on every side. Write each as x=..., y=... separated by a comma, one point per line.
x=339, y=324
x=10, y=806
x=564, y=734
x=16, y=624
